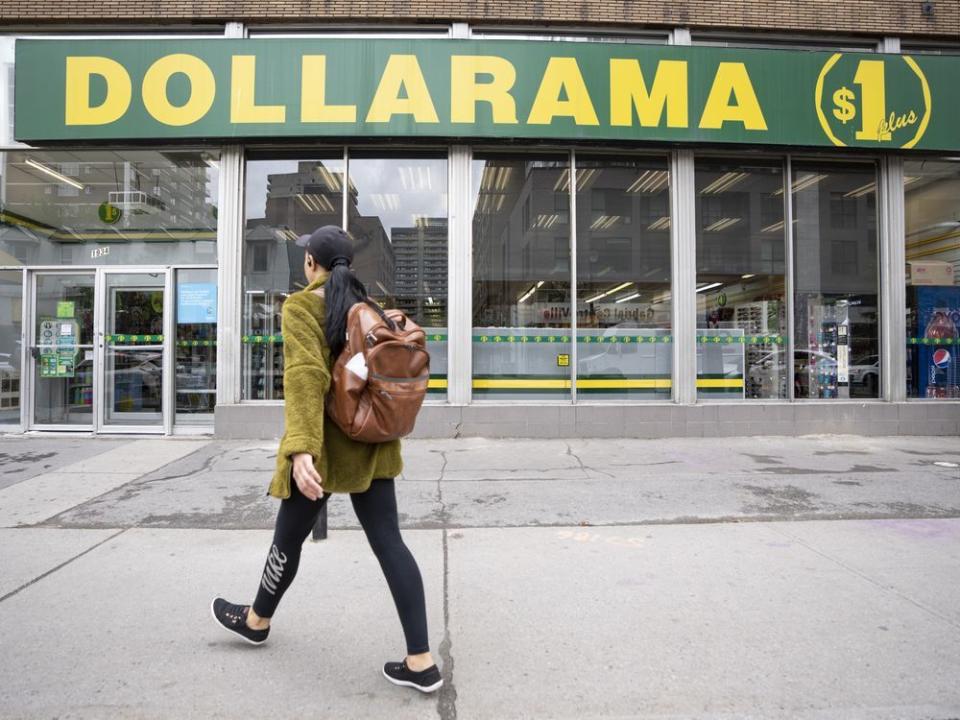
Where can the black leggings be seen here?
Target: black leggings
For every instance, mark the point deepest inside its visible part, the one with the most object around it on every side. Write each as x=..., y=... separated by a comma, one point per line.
x=376, y=510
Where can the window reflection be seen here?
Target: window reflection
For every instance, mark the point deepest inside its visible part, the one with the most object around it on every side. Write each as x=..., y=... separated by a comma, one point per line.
x=741, y=301
x=108, y=207
x=397, y=215
x=933, y=278
x=521, y=287
x=623, y=278
x=836, y=314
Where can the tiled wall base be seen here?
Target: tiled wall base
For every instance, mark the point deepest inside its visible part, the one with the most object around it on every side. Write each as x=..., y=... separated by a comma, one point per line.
x=639, y=421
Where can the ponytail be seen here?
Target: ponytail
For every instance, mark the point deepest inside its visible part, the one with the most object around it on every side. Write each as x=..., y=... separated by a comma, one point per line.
x=342, y=291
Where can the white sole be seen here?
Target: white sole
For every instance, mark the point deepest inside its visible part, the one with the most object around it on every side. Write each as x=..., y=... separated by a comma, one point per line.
x=232, y=633
x=406, y=683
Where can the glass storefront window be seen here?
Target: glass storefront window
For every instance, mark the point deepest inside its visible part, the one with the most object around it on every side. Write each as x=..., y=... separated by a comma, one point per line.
x=286, y=196
x=741, y=296
x=108, y=207
x=932, y=189
x=624, y=319
x=521, y=287
x=397, y=215
x=195, y=346
x=11, y=332
x=836, y=302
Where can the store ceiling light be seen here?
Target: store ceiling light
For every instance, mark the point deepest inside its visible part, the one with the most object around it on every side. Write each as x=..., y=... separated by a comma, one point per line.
x=711, y=286
x=721, y=225
x=54, y=174
x=660, y=224
x=386, y=201
x=333, y=181
x=724, y=183
x=629, y=297
x=546, y=221
x=605, y=222
x=650, y=182
x=747, y=276
x=611, y=291
x=315, y=204
x=776, y=227
x=869, y=188
x=530, y=292
x=807, y=181
x=495, y=177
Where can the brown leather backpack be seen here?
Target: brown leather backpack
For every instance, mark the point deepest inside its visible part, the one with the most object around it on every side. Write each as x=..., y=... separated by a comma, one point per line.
x=383, y=405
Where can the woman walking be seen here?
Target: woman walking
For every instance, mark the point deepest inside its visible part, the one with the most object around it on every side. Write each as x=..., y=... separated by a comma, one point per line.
x=322, y=460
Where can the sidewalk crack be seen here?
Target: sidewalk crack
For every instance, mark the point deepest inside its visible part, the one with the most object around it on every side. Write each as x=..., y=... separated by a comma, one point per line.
x=447, y=699
x=61, y=565
x=875, y=583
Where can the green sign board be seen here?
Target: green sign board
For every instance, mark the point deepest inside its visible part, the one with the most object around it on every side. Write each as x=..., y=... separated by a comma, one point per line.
x=267, y=88
x=66, y=309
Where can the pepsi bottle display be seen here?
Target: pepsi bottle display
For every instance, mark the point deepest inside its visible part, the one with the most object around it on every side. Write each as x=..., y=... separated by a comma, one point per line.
x=934, y=342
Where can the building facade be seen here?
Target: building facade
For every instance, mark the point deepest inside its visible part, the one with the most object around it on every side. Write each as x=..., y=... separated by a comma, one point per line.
x=613, y=219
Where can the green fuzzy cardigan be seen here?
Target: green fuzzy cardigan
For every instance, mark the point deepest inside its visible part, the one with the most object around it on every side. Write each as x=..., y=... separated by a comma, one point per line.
x=346, y=466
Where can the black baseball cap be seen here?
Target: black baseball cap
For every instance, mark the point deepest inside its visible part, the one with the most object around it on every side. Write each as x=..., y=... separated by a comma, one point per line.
x=328, y=245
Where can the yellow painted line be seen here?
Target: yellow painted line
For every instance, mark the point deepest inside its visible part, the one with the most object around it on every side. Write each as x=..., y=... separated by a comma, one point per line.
x=521, y=384
x=720, y=383
x=637, y=384
x=437, y=384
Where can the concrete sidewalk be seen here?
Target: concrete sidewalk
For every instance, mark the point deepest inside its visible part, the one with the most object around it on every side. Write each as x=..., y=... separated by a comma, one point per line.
x=589, y=579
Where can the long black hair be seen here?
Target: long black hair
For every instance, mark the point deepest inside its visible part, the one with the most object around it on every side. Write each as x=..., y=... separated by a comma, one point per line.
x=342, y=291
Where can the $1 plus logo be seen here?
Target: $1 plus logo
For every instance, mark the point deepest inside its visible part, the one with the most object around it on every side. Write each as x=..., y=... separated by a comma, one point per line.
x=873, y=102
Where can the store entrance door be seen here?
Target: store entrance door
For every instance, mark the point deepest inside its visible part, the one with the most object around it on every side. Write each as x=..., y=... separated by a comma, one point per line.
x=100, y=355
x=133, y=352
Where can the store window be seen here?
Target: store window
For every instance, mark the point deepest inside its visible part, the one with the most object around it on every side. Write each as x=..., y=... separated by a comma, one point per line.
x=108, y=207
x=624, y=348
x=287, y=195
x=932, y=189
x=741, y=296
x=521, y=288
x=11, y=332
x=397, y=215
x=836, y=302
x=195, y=346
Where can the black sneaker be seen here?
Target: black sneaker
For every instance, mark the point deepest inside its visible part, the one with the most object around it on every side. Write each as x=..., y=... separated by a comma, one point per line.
x=234, y=618
x=426, y=681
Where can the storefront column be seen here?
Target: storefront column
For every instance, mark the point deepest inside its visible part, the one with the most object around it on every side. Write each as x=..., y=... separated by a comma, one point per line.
x=229, y=271
x=893, y=308
x=683, y=260
x=459, y=278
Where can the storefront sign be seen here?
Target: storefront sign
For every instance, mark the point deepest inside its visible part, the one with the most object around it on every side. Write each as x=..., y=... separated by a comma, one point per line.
x=196, y=303
x=109, y=213
x=265, y=88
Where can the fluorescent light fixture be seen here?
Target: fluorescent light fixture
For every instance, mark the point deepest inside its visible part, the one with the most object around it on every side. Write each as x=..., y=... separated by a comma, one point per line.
x=776, y=227
x=808, y=180
x=721, y=224
x=628, y=297
x=605, y=222
x=530, y=292
x=331, y=180
x=747, y=276
x=660, y=224
x=870, y=187
x=315, y=204
x=724, y=183
x=54, y=174
x=650, y=182
x=611, y=291
x=711, y=286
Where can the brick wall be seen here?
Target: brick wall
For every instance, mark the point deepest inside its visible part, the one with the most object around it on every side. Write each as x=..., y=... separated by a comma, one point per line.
x=868, y=17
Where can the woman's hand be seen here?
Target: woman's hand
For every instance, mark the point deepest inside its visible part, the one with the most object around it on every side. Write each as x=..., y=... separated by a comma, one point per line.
x=308, y=479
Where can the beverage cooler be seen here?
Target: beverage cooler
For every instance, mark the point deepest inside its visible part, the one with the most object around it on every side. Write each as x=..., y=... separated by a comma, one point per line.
x=933, y=341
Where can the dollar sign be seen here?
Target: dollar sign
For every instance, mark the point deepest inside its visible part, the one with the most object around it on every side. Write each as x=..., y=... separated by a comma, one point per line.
x=844, y=111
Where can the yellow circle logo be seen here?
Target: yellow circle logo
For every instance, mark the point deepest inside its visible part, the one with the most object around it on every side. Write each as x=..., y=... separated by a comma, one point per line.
x=873, y=101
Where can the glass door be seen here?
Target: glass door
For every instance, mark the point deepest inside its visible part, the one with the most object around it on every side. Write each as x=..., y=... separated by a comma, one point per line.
x=62, y=357
x=133, y=351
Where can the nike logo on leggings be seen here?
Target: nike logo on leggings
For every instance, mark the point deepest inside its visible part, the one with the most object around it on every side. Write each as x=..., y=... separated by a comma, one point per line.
x=273, y=570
